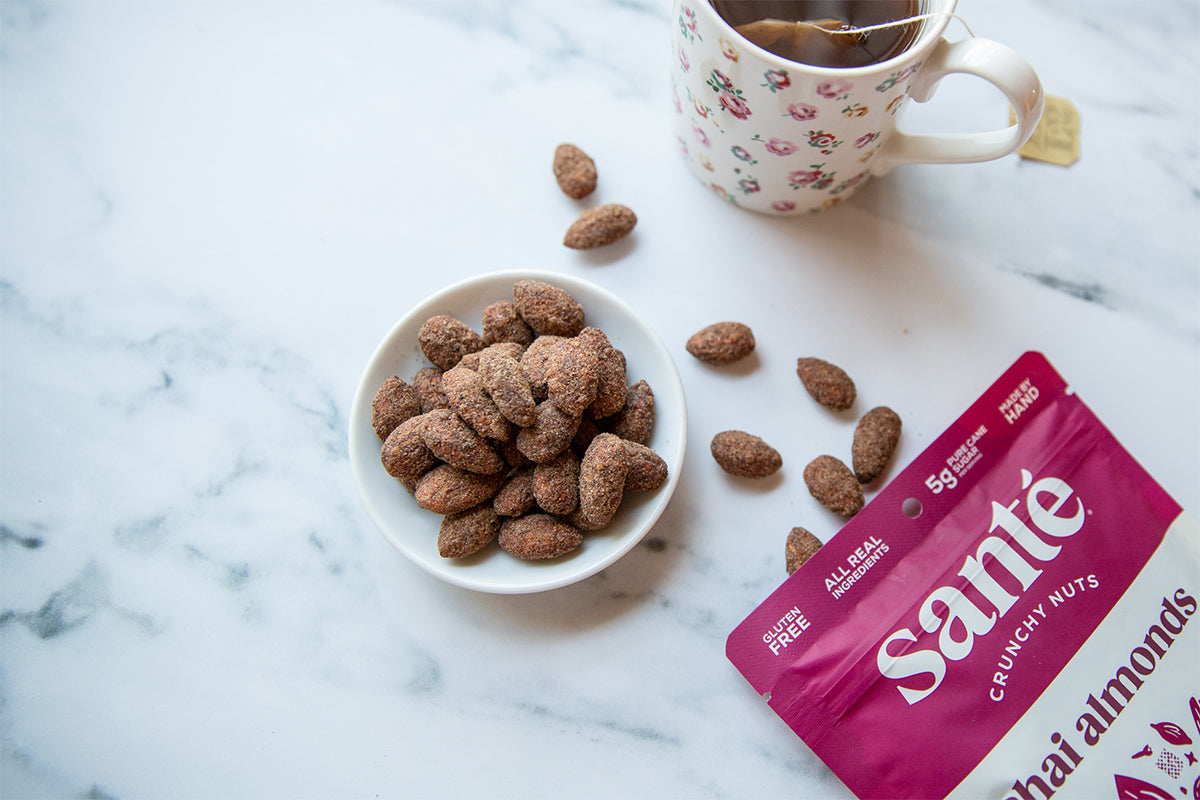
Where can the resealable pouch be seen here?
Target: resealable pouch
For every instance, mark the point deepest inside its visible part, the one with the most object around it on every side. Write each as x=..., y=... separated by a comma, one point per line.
x=1013, y=616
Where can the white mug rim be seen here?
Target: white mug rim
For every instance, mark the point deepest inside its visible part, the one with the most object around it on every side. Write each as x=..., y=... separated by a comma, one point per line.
x=929, y=36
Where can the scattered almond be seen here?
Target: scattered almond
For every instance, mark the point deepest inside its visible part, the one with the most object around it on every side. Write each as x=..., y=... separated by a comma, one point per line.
x=722, y=343
x=600, y=226
x=801, y=546
x=745, y=455
x=575, y=171
x=828, y=383
x=834, y=486
x=875, y=439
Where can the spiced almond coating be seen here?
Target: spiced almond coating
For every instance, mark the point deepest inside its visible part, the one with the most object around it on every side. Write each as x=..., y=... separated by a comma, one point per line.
x=611, y=386
x=547, y=309
x=572, y=376
x=472, y=360
x=827, y=383
x=745, y=455
x=502, y=323
x=467, y=532
x=602, y=473
x=550, y=434
x=647, y=470
x=834, y=486
x=405, y=455
x=801, y=546
x=468, y=396
x=635, y=421
x=722, y=343
x=575, y=171
x=447, y=489
x=428, y=385
x=516, y=495
x=875, y=440
x=454, y=441
x=445, y=340
x=536, y=359
x=600, y=226
x=556, y=483
x=508, y=386
x=537, y=537
x=395, y=402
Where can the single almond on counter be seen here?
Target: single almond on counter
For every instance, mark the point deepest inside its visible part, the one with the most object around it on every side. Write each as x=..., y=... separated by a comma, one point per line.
x=575, y=171
x=600, y=226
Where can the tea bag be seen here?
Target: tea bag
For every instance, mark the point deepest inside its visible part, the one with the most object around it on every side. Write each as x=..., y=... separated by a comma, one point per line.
x=783, y=36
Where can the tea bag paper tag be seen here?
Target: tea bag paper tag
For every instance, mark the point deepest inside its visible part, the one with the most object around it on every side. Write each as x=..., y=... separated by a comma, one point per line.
x=1056, y=139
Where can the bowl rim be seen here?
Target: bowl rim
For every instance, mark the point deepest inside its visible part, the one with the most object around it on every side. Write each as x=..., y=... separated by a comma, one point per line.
x=556, y=574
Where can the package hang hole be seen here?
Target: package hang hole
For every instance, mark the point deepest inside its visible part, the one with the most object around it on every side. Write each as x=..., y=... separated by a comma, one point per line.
x=911, y=508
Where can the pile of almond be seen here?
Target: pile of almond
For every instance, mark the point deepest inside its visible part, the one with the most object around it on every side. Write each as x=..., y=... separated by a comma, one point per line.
x=526, y=434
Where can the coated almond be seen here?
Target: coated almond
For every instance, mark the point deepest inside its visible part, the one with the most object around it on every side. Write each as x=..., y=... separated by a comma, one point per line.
x=801, y=546
x=445, y=340
x=575, y=171
x=722, y=343
x=446, y=489
x=828, y=383
x=538, y=537
x=600, y=226
x=395, y=402
x=547, y=309
x=834, y=486
x=467, y=532
x=745, y=455
x=635, y=421
x=875, y=439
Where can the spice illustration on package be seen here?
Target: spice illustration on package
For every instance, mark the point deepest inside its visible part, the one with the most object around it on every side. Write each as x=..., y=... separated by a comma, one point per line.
x=1024, y=573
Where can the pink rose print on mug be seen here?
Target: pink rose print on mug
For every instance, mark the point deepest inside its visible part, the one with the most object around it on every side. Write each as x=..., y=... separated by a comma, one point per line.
x=897, y=77
x=865, y=140
x=719, y=81
x=812, y=178
x=684, y=63
x=835, y=89
x=776, y=79
x=801, y=112
x=735, y=105
x=824, y=141
x=730, y=97
x=742, y=154
x=783, y=206
x=850, y=184
x=687, y=24
x=778, y=147
x=701, y=136
x=749, y=185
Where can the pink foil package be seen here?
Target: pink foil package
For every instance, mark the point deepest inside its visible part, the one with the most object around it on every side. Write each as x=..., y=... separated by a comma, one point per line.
x=1012, y=616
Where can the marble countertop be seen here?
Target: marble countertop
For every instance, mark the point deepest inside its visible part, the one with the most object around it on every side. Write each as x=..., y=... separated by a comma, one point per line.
x=213, y=211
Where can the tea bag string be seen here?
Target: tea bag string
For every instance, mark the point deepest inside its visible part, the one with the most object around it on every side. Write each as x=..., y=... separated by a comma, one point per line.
x=850, y=30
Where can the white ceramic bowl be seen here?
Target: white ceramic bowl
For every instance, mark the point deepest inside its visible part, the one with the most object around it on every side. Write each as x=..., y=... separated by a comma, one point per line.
x=414, y=531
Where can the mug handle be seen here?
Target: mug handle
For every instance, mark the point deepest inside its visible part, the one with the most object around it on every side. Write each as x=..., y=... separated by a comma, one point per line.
x=992, y=61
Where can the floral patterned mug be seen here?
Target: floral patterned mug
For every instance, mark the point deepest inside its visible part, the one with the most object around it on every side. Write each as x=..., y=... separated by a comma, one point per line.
x=781, y=137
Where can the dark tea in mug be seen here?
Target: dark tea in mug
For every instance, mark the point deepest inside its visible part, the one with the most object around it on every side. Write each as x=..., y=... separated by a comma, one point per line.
x=821, y=32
